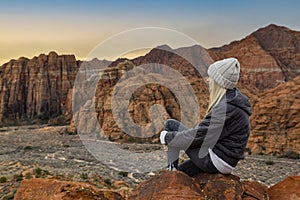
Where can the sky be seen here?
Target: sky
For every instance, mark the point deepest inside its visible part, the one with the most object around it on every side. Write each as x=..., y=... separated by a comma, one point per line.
x=29, y=28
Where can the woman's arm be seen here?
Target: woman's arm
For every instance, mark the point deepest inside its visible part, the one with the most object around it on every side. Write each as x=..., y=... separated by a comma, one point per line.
x=208, y=131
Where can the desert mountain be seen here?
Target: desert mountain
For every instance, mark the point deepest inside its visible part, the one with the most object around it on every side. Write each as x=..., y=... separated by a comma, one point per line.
x=268, y=56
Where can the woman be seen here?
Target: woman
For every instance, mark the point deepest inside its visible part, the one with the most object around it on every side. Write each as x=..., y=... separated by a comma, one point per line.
x=218, y=142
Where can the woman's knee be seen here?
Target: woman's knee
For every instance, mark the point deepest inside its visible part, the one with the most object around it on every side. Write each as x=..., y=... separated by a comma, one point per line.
x=171, y=121
x=171, y=125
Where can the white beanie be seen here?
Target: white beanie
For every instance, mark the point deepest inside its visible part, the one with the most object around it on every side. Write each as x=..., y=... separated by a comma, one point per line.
x=225, y=72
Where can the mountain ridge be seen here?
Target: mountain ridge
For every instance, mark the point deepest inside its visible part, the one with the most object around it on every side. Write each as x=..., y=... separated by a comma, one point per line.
x=40, y=89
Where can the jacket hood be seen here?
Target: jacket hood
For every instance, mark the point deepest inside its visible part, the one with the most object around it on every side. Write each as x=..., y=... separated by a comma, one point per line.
x=236, y=98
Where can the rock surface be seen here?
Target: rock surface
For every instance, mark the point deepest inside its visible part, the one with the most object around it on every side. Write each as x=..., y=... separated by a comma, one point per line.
x=287, y=189
x=177, y=185
x=166, y=185
x=45, y=189
x=275, y=121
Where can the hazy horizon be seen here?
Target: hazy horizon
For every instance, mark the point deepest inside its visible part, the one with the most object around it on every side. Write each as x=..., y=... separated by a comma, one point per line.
x=66, y=27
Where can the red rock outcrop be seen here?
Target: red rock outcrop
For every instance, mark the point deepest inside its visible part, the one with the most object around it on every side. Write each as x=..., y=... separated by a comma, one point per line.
x=275, y=121
x=36, y=88
x=188, y=61
x=45, y=189
x=287, y=189
x=166, y=185
x=153, y=89
x=178, y=185
x=268, y=56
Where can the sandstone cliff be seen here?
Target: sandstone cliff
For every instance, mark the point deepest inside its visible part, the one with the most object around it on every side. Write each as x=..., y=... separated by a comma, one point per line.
x=37, y=88
x=268, y=56
x=275, y=121
x=151, y=87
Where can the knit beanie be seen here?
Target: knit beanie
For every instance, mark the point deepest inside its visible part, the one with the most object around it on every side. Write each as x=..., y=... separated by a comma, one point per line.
x=225, y=72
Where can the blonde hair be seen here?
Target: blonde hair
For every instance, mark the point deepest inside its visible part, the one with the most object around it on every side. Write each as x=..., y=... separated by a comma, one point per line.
x=216, y=92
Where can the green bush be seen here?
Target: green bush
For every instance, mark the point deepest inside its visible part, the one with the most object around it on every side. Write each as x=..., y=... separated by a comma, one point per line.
x=18, y=177
x=28, y=176
x=107, y=181
x=270, y=162
x=28, y=148
x=84, y=176
x=124, y=174
x=3, y=179
x=9, y=197
x=40, y=173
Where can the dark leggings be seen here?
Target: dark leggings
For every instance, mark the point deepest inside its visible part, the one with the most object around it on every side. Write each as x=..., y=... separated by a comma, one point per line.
x=195, y=164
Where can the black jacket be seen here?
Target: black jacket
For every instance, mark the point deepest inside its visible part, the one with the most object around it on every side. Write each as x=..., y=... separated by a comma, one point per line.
x=225, y=130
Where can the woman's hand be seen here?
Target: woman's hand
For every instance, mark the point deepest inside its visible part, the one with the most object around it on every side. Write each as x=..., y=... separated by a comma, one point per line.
x=165, y=148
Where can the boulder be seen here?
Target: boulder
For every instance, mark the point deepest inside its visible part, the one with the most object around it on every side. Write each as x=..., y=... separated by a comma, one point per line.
x=288, y=189
x=178, y=185
x=48, y=189
x=168, y=185
x=254, y=190
x=218, y=186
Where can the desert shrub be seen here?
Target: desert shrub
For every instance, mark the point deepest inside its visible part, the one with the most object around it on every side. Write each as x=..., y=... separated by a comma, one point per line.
x=270, y=162
x=107, y=181
x=9, y=197
x=124, y=174
x=84, y=176
x=40, y=173
x=3, y=179
x=28, y=176
x=28, y=148
x=18, y=177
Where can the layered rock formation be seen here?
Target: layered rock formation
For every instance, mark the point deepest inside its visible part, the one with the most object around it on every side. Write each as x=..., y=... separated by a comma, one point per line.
x=188, y=61
x=275, y=121
x=151, y=85
x=268, y=56
x=167, y=77
x=36, y=88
